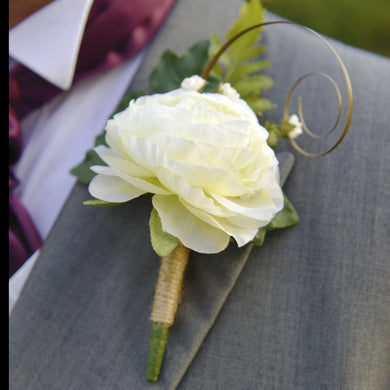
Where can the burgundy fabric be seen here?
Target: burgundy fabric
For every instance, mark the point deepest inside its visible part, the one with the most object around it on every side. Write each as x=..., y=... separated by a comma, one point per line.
x=24, y=238
x=116, y=30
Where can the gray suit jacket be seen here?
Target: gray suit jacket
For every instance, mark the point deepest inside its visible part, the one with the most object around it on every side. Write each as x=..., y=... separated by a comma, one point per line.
x=308, y=310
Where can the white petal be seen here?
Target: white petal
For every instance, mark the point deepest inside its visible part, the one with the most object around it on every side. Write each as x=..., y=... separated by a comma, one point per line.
x=215, y=179
x=190, y=230
x=261, y=205
x=123, y=165
x=193, y=195
x=151, y=185
x=264, y=161
x=112, y=189
x=227, y=90
x=242, y=234
x=114, y=136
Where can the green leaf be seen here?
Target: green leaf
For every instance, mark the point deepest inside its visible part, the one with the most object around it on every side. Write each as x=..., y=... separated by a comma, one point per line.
x=172, y=69
x=284, y=218
x=252, y=84
x=243, y=48
x=163, y=243
x=100, y=203
x=274, y=134
x=251, y=13
x=260, y=236
x=248, y=68
x=239, y=64
x=258, y=104
x=212, y=85
x=82, y=171
x=252, y=52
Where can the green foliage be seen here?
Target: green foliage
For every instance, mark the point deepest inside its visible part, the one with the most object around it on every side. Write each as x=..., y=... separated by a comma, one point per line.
x=274, y=134
x=82, y=171
x=239, y=64
x=285, y=218
x=285, y=127
x=163, y=243
x=172, y=68
x=158, y=342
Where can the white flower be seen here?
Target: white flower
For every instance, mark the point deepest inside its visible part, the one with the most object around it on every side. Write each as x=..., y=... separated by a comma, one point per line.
x=206, y=159
x=227, y=90
x=297, y=130
x=193, y=83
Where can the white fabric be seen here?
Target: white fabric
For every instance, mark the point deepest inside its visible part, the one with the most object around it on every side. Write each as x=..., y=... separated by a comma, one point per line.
x=56, y=138
x=51, y=51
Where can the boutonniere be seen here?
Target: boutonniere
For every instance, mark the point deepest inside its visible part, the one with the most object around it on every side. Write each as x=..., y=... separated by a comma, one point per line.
x=197, y=144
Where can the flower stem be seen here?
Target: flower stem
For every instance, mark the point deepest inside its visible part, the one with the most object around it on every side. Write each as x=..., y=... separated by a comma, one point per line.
x=158, y=342
x=166, y=300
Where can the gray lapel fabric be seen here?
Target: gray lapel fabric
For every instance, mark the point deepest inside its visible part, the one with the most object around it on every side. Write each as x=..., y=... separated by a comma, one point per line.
x=310, y=309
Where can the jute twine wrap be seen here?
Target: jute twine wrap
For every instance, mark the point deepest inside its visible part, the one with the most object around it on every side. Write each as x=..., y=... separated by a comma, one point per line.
x=169, y=284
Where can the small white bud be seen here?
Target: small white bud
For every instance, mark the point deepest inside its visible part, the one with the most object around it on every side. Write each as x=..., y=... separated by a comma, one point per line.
x=297, y=130
x=193, y=83
x=227, y=90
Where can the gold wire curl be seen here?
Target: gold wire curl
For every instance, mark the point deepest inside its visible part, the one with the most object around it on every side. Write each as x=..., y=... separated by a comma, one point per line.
x=300, y=110
x=224, y=47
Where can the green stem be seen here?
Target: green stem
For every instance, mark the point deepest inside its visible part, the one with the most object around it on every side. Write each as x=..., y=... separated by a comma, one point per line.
x=158, y=342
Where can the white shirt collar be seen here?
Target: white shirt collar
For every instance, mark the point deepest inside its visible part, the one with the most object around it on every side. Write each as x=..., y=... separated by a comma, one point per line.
x=48, y=41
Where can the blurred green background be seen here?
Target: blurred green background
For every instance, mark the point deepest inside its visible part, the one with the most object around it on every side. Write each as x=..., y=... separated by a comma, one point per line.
x=360, y=23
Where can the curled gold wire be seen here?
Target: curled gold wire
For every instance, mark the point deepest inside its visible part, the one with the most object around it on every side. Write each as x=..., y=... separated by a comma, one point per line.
x=224, y=47
x=300, y=110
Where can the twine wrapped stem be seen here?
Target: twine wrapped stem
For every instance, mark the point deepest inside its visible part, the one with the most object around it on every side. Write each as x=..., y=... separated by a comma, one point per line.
x=166, y=300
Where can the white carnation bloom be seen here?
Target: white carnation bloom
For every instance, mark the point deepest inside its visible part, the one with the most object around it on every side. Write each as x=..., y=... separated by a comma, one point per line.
x=193, y=83
x=227, y=90
x=204, y=157
x=297, y=130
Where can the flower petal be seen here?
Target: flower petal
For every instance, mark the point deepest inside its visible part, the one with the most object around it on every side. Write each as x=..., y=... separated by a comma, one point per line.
x=241, y=233
x=113, y=189
x=193, y=233
x=215, y=179
x=123, y=165
x=151, y=185
x=261, y=205
x=195, y=196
